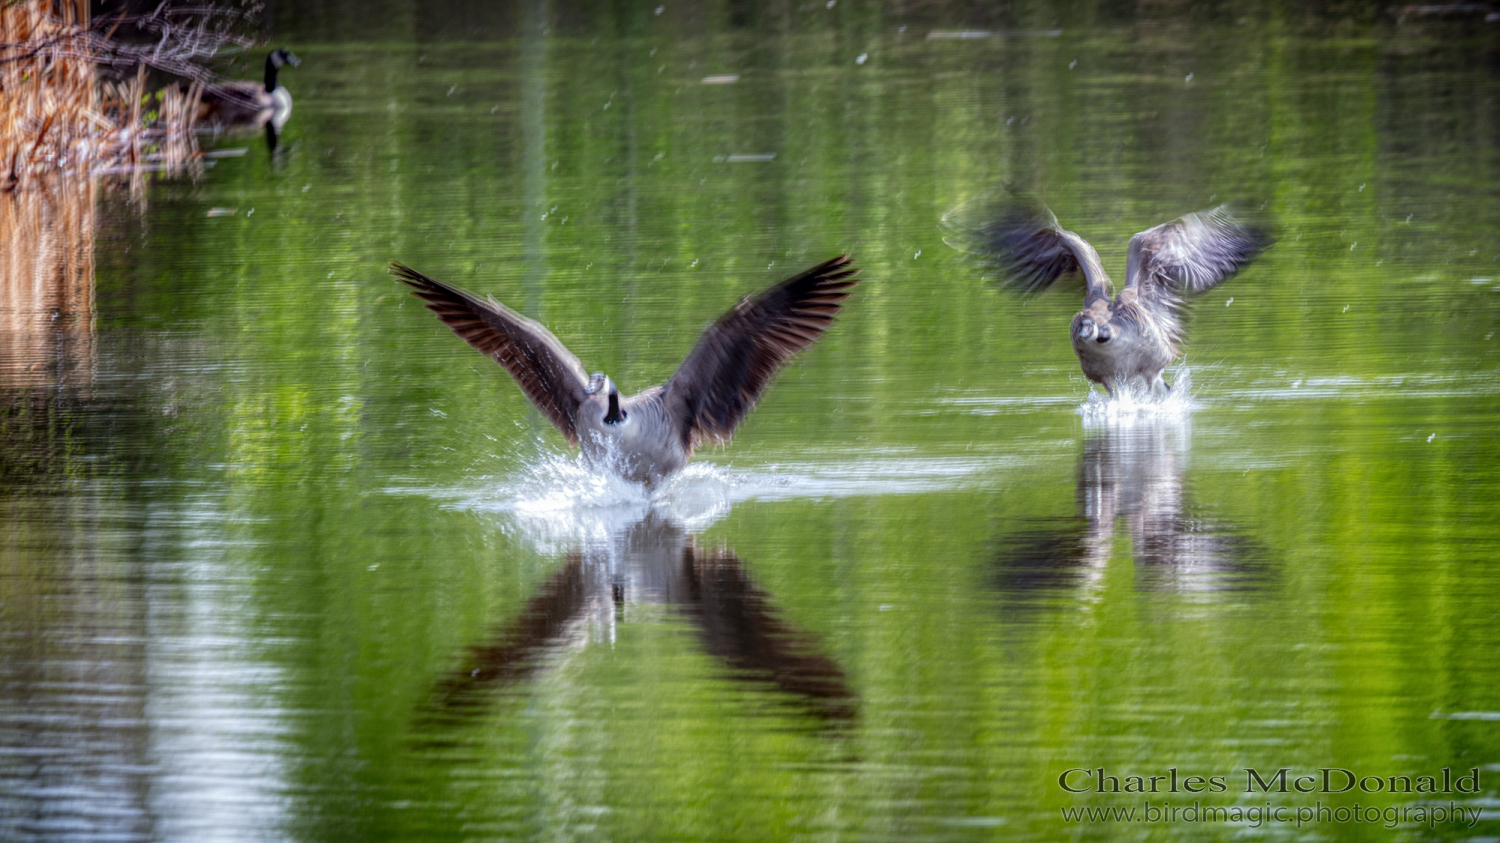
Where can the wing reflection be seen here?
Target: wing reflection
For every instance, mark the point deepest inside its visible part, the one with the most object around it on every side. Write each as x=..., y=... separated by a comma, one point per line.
x=652, y=561
x=1135, y=477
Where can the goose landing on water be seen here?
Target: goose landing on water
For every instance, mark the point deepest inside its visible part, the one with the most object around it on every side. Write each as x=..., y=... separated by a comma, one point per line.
x=1136, y=336
x=250, y=104
x=651, y=434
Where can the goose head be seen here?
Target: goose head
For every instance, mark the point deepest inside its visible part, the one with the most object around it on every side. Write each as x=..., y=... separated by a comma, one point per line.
x=601, y=385
x=1106, y=336
x=274, y=62
x=1094, y=327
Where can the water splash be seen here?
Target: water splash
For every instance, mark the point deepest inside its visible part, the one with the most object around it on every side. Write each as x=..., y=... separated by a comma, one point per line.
x=558, y=502
x=1130, y=405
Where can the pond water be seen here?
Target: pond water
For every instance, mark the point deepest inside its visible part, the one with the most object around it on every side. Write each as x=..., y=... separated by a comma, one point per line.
x=281, y=558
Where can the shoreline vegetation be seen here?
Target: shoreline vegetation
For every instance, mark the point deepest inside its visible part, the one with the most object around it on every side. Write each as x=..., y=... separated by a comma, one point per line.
x=85, y=105
x=74, y=92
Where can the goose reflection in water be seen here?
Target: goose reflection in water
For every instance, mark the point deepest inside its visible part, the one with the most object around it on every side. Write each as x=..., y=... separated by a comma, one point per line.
x=656, y=561
x=1132, y=476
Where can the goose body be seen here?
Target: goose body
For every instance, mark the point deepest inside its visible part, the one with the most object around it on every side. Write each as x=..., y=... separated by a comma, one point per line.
x=251, y=104
x=647, y=436
x=1135, y=336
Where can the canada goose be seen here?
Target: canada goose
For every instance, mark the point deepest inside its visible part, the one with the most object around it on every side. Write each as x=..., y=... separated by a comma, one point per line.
x=653, y=433
x=248, y=104
x=1136, y=336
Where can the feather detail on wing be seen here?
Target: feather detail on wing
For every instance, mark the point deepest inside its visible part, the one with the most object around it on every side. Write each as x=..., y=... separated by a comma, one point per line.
x=542, y=366
x=1193, y=253
x=721, y=378
x=1021, y=240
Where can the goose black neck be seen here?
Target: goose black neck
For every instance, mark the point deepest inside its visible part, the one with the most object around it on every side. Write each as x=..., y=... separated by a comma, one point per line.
x=614, y=416
x=270, y=73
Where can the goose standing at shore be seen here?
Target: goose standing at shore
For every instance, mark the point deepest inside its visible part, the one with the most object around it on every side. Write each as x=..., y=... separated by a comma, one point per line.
x=251, y=104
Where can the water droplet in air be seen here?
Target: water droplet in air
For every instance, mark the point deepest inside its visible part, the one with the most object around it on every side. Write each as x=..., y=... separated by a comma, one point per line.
x=862, y=58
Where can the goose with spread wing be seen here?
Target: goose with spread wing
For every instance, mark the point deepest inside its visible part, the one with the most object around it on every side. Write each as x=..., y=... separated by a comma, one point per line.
x=1137, y=335
x=646, y=436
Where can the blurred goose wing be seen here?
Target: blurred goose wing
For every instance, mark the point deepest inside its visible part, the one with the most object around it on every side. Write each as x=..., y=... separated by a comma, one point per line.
x=1192, y=253
x=542, y=366
x=721, y=378
x=1023, y=241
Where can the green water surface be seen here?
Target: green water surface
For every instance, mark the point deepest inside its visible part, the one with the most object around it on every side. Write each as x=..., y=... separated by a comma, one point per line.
x=284, y=559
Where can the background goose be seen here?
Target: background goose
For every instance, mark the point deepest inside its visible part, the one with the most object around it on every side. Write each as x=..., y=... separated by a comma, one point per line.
x=251, y=104
x=653, y=433
x=1139, y=333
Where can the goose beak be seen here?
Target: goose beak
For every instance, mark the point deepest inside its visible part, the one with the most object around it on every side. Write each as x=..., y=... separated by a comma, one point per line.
x=293, y=60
